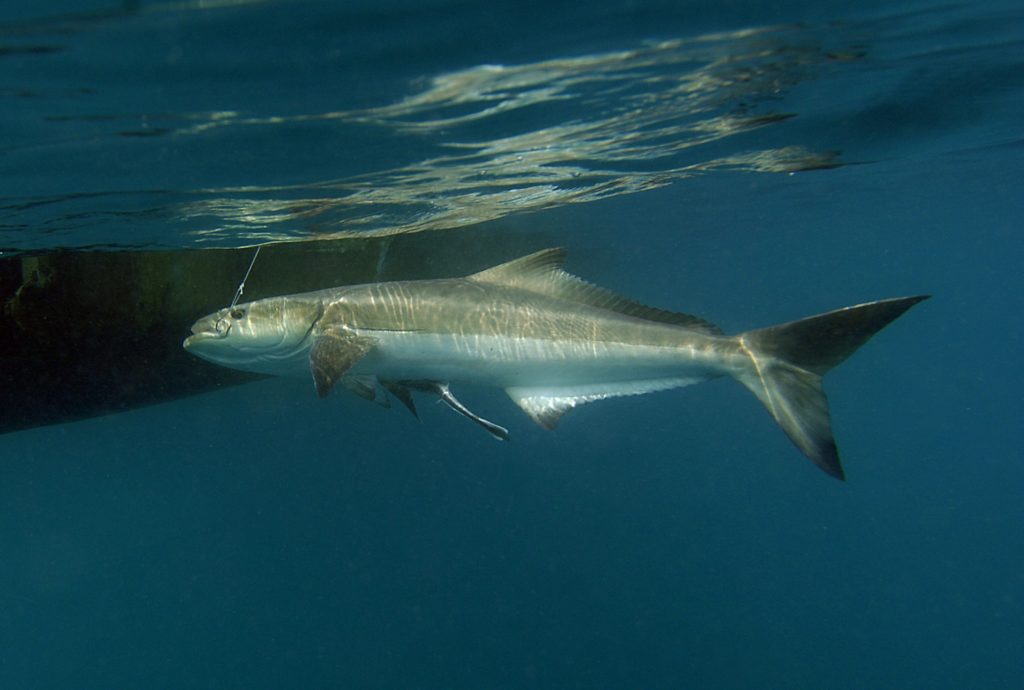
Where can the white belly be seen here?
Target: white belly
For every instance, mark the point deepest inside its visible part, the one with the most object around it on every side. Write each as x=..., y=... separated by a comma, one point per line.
x=518, y=362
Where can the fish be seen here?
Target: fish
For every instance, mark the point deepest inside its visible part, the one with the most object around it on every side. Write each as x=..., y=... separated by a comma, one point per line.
x=551, y=340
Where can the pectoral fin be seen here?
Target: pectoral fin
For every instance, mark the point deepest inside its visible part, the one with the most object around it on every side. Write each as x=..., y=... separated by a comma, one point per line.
x=333, y=353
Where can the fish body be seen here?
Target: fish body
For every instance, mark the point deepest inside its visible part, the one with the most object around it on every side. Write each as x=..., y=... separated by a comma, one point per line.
x=549, y=339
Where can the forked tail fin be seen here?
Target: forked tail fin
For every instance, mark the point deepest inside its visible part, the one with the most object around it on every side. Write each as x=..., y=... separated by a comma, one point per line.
x=790, y=360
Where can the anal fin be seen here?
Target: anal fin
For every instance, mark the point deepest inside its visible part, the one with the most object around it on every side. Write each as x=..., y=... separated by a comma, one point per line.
x=545, y=410
x=547, y=405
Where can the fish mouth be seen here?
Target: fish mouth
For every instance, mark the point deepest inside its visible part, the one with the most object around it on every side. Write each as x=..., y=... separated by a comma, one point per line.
x=208, y=328
x=198, y=338
x=200, y=334
x=204, y=342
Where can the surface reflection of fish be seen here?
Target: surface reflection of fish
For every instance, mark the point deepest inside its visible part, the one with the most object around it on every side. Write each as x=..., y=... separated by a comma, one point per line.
x=551, y=340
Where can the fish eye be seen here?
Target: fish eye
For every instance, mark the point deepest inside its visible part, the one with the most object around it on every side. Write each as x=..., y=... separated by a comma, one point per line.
x=237, y=313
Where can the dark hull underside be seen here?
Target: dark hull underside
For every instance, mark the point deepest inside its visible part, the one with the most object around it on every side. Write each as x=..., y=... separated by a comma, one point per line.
x=84, y=334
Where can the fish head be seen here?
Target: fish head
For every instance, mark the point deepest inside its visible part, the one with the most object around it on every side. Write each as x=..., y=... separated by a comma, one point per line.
x=268, y=336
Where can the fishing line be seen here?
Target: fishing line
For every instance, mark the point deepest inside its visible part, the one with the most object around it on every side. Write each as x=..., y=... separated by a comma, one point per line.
x=241, y=286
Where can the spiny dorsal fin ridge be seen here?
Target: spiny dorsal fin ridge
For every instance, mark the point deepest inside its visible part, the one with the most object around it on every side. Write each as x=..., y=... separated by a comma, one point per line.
x=542, y=272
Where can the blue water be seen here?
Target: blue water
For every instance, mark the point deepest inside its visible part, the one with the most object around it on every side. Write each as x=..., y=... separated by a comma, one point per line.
x=258, y=537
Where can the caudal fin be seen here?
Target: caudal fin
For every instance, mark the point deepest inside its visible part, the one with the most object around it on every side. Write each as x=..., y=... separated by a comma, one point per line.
x=790, y=360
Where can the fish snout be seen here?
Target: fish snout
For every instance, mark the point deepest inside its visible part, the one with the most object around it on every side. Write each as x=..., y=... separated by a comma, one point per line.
x=211, y=327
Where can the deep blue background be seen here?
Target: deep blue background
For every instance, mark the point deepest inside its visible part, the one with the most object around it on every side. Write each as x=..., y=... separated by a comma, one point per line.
x=259, y=537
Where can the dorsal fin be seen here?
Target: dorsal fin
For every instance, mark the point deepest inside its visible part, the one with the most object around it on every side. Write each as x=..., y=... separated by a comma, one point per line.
x=530, y=272
x=541, y=272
